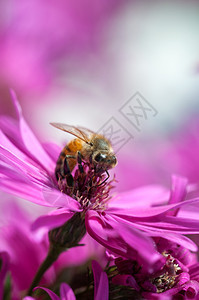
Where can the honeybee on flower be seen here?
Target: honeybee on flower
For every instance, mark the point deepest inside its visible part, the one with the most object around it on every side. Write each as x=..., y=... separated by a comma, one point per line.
x=88, y=145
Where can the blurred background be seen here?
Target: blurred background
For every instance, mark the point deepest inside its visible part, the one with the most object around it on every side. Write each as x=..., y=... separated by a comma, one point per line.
x=79, y=62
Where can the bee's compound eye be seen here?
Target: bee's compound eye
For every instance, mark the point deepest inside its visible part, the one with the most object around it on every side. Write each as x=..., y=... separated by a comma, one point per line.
x=99, y=157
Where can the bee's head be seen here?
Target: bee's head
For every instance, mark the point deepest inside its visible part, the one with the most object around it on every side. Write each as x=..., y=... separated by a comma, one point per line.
x=104, y=160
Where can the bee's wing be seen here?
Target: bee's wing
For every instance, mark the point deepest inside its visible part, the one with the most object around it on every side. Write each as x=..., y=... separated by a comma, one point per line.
x=80, y=132
x=87, y=131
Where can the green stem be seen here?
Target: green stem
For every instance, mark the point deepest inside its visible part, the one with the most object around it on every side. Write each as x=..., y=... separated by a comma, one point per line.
x=61, y=238
x=51, y=257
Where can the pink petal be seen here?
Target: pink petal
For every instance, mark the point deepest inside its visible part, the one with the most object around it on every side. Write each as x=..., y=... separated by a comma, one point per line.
x=121, y=238
x=30, y=141
x=143, y=244
x=53, y=150
x=127, y=280
x=176, y=238
x=163, y=296
x=178, y=189
x=7, y=144
x=51, y=221
x=150, y=211
x=23, y=190
x=170, y=231
x=192, y=289
x=101, y=288
x=58, y=199
x=29, y=183
x=97, y=270
x=10, y=128
x=21, y=163
x=144, y=196
x=194, y=271
x=178, y=192
x=52, y=295
x=66, y=292
x=96, y=229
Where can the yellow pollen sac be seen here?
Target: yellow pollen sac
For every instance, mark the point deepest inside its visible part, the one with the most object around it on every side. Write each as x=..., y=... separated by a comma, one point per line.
x=75, y=145
x=164, y=282
x=167, y=280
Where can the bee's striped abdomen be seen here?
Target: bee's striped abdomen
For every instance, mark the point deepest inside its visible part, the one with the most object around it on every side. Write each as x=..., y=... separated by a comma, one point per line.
x=69, y=150
x=59, y=165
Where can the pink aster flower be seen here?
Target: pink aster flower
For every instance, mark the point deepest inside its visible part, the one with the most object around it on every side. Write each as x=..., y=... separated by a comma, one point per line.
x=176, y=278
x=32, y=50
x=123, y=223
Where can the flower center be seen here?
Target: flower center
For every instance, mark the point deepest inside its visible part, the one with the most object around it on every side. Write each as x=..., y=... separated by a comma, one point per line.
x=167, y=279
x=90, y=188
x=161, y=281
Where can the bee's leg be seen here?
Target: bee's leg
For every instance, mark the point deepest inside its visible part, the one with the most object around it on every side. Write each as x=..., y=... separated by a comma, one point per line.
x=79, y=161
x=105, y=178
x=67, y=172
x=90, y=159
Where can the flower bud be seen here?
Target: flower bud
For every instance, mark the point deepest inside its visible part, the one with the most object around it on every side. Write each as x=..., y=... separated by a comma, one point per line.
x=69, y=234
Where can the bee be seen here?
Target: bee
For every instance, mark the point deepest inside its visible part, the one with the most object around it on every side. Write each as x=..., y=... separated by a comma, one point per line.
x=89, y=146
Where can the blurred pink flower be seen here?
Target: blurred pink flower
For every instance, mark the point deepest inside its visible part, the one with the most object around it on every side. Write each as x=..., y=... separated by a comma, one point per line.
x=124, y=224
x=177, y=278
x=36, y=36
